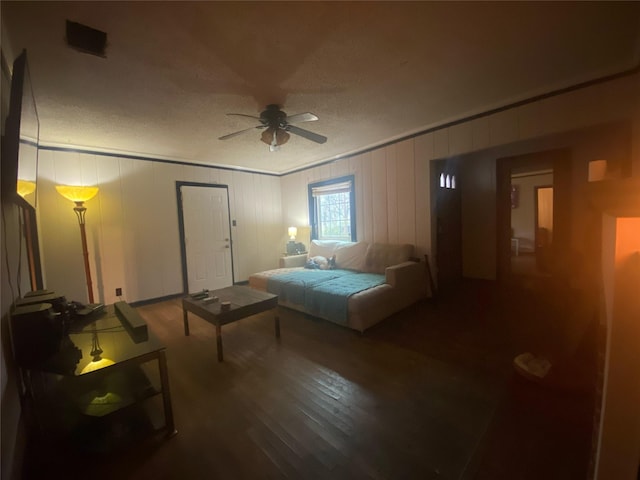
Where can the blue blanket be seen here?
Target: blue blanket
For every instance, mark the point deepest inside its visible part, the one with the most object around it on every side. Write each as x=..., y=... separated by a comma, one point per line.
x=323, y=293
x=292, y=286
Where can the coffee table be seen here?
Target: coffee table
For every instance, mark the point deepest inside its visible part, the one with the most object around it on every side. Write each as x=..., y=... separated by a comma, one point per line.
x=245, y=301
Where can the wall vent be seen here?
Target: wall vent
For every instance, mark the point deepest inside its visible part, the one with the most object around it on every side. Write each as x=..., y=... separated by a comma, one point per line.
x=86, y=39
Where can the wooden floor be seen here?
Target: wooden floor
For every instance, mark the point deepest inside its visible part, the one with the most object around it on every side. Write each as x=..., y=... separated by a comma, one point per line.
x=427, y=394
x=527, y=264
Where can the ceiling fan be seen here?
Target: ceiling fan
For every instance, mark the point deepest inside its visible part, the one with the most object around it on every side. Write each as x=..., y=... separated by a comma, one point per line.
x=277, y=125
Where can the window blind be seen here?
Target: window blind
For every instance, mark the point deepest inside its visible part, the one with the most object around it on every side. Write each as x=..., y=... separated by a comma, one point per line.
x=342, y=187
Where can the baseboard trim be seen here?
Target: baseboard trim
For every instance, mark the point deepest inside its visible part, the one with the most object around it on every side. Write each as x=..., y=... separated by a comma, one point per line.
x=149, y=301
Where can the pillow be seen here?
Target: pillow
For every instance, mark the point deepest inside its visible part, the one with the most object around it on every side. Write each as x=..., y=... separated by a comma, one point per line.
x=322, y=248
x=351, y=256
x=380, y=256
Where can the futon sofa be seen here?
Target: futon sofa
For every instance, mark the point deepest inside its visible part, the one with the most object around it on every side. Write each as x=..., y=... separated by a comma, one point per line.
x=354, y=284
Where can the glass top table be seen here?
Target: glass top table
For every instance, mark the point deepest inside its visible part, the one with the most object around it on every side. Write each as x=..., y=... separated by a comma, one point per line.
x=101, y=345
x=96, y=342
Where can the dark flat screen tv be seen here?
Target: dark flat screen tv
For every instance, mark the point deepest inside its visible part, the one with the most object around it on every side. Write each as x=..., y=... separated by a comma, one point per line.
x=20, y=142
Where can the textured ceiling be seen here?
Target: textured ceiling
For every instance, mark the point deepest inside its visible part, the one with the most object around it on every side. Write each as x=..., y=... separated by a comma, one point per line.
x=372, y=72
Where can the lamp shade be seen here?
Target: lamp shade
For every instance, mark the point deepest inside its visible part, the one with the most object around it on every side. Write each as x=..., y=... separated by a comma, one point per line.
x=292, y=231
x=25, y=187
x=97, y=364
x=77, y=194
x=274, y=138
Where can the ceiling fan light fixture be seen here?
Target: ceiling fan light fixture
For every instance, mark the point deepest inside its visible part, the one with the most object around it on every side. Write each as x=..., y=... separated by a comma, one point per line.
x=267, y=136
x=282, y=137
x=274, y=137
x=277, y=126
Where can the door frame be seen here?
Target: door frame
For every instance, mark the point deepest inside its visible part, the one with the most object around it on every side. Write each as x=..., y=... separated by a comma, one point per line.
x=561, y=162
x=183, y=244
x=448, y=166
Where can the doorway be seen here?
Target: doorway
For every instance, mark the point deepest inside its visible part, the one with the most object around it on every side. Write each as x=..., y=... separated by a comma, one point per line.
x=543, y=217
x=531, y=218
x=205, y=236
x=533, y=212
x=448, y=228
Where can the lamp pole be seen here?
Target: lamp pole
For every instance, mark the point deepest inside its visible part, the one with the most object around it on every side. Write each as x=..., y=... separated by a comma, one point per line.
x=79, y=195
x=80, y=210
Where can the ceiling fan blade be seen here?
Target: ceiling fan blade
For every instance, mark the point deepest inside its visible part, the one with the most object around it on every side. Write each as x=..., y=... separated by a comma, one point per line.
x=235, y=134
x=243, y=115
x=302, y=117
x=314, y=137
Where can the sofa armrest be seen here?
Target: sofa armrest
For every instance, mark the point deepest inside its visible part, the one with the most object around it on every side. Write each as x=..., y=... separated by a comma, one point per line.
x=406, y=275
x=293, y=261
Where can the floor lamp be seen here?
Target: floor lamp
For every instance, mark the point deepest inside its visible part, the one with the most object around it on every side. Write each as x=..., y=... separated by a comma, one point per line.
x=26, y=187
x=79, y=195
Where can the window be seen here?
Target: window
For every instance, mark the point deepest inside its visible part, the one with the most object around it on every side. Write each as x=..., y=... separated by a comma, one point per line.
x=332, y=209
x=447, y=181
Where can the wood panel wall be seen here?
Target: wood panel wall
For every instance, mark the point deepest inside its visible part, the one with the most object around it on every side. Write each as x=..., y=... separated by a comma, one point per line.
x=132, y=224
x=392, y=193
x=393, y=182
x=133, y=228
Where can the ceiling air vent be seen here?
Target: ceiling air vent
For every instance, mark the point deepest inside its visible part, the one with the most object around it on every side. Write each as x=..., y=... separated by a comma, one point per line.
x=86, y=39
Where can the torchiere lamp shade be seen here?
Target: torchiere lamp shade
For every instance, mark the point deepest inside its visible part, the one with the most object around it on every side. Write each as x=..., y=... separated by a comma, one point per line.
x=25, y=187
x=77, y=194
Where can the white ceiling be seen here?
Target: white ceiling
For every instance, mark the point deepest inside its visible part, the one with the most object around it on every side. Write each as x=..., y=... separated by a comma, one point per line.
x=372, y=72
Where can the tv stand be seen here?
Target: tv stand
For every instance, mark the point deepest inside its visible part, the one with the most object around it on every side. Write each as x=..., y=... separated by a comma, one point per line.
x=102, y=377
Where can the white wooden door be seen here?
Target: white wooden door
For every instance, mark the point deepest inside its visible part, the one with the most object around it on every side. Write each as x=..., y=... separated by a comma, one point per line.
x=207, y=237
